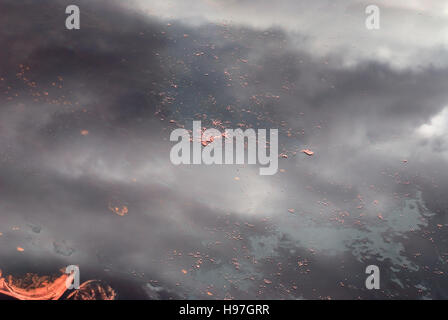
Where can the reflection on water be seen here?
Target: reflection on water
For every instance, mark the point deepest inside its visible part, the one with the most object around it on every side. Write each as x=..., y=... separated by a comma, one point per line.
x=85, y=175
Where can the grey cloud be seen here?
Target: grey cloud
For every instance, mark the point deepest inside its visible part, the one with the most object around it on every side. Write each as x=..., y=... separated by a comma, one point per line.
x=125, y=75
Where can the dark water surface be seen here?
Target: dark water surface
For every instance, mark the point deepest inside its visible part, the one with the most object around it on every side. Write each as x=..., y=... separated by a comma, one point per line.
x=85, y=119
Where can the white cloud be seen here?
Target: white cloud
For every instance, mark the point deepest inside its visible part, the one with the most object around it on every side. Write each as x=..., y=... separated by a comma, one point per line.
x=437, y=126
x=411, y=30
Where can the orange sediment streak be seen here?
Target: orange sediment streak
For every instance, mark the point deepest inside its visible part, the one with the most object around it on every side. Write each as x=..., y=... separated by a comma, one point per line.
x=52, y=291
x=307, y=152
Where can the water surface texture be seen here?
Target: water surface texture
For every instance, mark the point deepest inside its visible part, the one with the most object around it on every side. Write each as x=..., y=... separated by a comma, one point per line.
x=86, y=177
